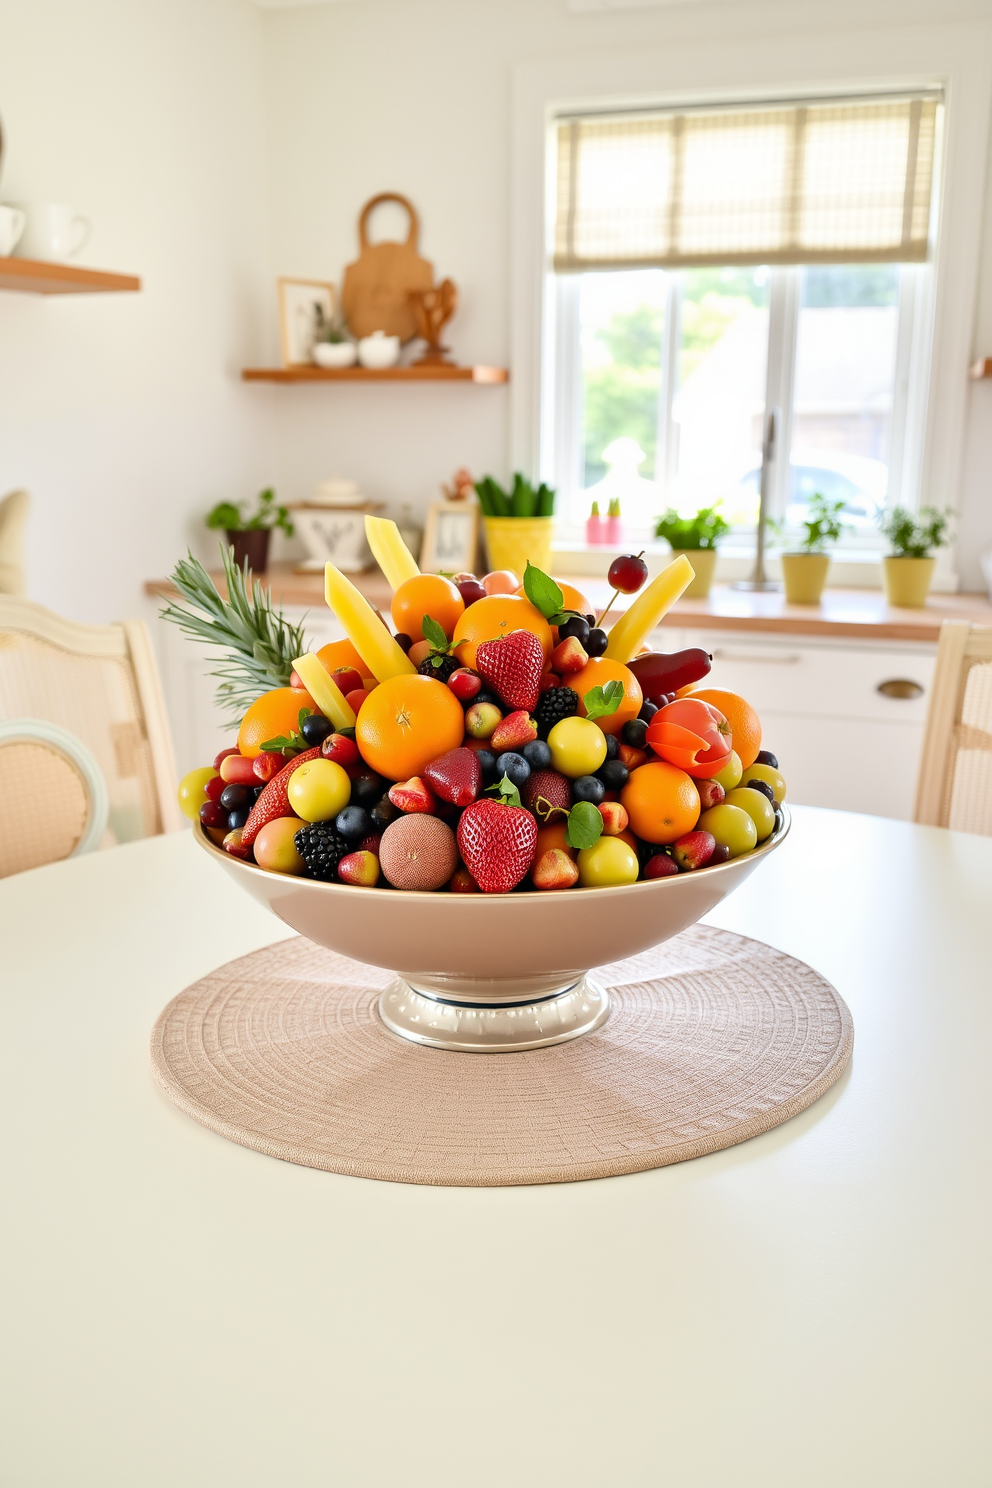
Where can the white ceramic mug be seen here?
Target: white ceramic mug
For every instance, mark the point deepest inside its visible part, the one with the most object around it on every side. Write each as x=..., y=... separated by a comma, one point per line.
x=12, y=221
x=54, y=232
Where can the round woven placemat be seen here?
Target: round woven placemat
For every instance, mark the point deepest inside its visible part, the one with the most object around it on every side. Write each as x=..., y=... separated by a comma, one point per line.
x=712, y=1038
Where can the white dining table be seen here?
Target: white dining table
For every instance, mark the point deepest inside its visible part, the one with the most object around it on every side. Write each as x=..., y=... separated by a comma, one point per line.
x=808, y=1308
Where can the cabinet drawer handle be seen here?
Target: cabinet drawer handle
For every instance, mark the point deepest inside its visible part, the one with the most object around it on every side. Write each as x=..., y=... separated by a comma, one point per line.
x=768, y=660
x=900, y=687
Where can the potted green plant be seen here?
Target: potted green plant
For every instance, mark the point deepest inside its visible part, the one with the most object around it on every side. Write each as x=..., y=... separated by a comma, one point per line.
x=805, y=570
x=695, y=536
x=908, y=569
x=249, y=536
x=518, y=523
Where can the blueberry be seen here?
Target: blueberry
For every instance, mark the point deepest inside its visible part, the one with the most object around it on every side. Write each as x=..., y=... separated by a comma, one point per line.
x=366, y=788
x=596, y=641
x=613, y=774
x=763, y=787
x=353, y=821
x=537, y=754
x=237, y=818
x=233, y=797
x=256, y=790
x=612, y=747
x=765, y=757
x=515, y=766
x=648, y=710
x=315, y=728
x=487, y=763
x=575, y=626
x=588, y=788
x=382, y=813
x=485, y=695
x=591, y=619
x=779, y=818
x=635, y=733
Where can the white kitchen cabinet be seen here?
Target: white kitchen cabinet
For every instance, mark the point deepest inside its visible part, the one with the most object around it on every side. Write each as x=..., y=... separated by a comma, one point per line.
x=840, y=741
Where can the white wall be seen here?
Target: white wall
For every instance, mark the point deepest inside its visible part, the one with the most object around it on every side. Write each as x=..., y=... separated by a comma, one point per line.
x=122, y=414
x=415, y=95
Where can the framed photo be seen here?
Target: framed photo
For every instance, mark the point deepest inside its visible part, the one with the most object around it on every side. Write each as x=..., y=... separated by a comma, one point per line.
x=306, y=306
x=451, y=537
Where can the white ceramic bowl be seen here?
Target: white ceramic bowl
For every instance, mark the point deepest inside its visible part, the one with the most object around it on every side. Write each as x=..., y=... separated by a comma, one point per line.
x=379, y=351
x=492, y=972
x=334, y=353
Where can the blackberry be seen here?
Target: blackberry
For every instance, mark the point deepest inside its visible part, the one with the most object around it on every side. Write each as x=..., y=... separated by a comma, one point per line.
x=552, y=706
x=442, y=671
x=321, y=847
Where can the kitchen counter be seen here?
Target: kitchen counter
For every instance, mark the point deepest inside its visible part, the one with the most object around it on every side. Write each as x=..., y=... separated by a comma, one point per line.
x=844, y=614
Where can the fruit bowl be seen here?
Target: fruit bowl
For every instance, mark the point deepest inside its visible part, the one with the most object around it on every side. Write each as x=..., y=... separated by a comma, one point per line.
x=492, y=973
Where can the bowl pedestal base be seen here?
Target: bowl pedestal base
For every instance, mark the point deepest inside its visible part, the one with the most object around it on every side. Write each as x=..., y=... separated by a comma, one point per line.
x=493, y=1027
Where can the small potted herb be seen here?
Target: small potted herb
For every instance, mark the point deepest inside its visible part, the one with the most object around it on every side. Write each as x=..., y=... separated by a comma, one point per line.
x=249, y=536
x=805, y=570
x=696, y=537
x=518, y=522
x=908, y=569
x=332, y=347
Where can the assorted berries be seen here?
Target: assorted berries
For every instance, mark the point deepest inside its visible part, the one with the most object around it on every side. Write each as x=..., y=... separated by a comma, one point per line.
x=512, y=753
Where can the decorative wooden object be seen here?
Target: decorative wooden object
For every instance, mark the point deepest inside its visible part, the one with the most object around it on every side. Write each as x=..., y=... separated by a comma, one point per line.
x=981, y=369
x=433, y=308
x=375, y=295
x=443, y=373
x=33, y=276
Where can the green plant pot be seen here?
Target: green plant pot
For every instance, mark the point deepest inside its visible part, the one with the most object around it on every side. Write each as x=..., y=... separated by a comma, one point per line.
x=703, y=562
x=510, y=541
x=805, y=576
x=907, y=581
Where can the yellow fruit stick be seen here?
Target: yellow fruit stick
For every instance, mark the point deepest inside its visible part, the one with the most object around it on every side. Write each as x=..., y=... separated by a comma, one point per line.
x=633, y=628
x=390, y=551
x=364, y=629
x=325, y=691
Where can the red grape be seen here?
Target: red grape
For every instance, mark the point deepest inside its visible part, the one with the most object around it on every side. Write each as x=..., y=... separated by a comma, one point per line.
x=470, y=591
x=627, y=573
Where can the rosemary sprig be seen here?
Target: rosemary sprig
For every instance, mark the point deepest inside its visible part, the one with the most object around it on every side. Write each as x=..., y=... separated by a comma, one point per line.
x=259, y=643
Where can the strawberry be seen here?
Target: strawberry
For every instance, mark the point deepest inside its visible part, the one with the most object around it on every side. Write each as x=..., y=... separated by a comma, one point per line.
x=456, y=777
x=569, y=656
x=274, y=801
x=555, y=870
x=546, y=793
x=497, y=840
x=411, y=795
x=513, y=666
x=513, y=732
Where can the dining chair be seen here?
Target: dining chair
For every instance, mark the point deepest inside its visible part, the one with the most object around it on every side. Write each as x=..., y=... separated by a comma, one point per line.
x=99, y=682
x=53, y=797
x=13, y=520
x=954, y=787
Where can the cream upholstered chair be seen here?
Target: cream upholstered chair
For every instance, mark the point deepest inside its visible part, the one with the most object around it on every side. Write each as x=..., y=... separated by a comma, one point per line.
x=100, y=683
x=53, y=797
x=13, y=520
x=954, y=788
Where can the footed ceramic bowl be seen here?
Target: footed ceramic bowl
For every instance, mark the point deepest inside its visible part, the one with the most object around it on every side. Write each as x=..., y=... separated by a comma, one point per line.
x=490, y=973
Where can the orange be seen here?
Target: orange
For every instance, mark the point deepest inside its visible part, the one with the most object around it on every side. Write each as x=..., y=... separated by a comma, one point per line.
x=661, y=801
x=596, y=673
x=274, y=715
x=496, y=616
x=337, y=654
x=407, y=722
x=550, y=837
x=744, y=722
x=426, y=594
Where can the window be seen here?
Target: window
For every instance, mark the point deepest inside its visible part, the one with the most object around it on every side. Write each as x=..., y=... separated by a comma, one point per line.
x=712, y=265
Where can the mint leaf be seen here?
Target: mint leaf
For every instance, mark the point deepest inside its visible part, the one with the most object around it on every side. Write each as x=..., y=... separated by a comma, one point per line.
x=585, y=825
x=434, y=634
x=542, y=592
x=602, y=701
x=509, y=795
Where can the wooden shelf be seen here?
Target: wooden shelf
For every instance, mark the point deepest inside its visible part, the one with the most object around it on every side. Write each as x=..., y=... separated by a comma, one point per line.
x=982, y=369
x=485, y=375
x=32, y=276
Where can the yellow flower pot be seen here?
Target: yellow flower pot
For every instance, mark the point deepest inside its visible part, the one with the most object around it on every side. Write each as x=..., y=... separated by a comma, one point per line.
x=703, y=562
x=511, y=541
x=907, y=581
x=805, y=576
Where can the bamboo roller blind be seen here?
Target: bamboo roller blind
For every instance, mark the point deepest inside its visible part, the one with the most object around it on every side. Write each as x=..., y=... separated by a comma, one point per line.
x=818, y=182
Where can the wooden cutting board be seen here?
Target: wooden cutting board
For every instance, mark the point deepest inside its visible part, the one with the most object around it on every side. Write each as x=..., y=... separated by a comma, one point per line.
x=375, y=294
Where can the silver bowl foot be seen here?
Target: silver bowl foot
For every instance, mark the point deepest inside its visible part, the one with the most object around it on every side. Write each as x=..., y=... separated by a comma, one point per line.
x=494, y=1028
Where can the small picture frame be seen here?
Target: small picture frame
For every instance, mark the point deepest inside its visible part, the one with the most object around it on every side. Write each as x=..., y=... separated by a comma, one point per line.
x=451, y=537
x=306, y=306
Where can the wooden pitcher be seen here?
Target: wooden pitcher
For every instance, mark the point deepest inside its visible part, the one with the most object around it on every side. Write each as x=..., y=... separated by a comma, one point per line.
x=375, y=294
